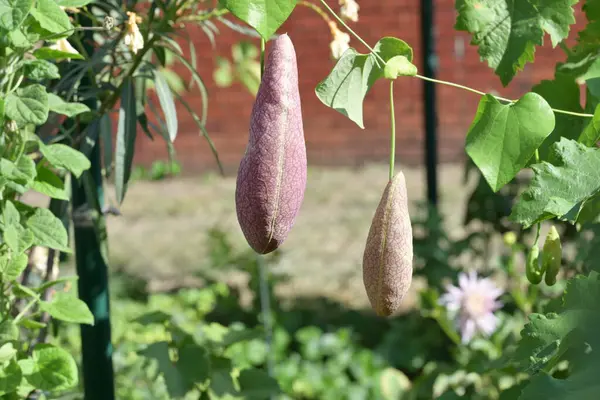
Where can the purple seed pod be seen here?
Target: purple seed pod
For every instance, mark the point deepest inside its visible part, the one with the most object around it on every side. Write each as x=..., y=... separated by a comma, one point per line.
x=272, y=175
x=388, y=257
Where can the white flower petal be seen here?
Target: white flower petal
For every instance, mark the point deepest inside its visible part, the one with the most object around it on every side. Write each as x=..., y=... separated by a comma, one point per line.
x=467, y=330
x=487, y=324
x=463, y=281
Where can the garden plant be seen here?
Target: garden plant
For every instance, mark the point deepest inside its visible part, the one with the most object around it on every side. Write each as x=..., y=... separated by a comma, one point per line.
x=66, y=64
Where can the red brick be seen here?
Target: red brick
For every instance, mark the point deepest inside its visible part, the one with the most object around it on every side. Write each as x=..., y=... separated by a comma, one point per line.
x=331, y=138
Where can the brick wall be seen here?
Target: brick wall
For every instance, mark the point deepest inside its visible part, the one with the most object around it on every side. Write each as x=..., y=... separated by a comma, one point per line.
x=332, y=139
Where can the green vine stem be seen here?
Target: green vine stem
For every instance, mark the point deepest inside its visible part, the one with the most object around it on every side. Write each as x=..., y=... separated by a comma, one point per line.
x=441, y=82
x=392, y=131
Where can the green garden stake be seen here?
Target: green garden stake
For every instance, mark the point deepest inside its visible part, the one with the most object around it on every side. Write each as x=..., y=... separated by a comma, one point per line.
x=90, y=257
x=98, y=374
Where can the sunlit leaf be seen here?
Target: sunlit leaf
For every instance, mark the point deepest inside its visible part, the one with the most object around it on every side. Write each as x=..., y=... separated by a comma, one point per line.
x=354, y=74
x=165, y=97
x=266, y=16
x=504, y=137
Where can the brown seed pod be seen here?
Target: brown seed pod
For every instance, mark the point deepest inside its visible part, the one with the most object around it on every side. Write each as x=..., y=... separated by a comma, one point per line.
x=388, y=257
x=272, y=175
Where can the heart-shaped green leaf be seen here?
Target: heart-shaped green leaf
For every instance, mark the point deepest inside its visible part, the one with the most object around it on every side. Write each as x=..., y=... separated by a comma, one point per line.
x=504, y=137
x=29, y=105
x=345, y=88
x=50, y=368
x=266, y=16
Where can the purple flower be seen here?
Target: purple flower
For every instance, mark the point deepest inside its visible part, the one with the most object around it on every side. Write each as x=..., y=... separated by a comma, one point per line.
x=472, y=304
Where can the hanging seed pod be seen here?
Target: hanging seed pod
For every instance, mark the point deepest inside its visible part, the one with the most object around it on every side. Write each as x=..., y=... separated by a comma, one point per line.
x=388, y=257
x=552, y=256
x=272, y=175
x=533, y=269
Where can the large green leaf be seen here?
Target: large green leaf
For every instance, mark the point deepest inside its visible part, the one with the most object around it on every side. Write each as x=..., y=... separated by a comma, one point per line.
x=48, y=230
x=560, y=187
x=257, y=385
x=8, y=331
x=266, y=16
x=13, y=13
x=126, y=133
x=63, y=156
x=177, y=385
x=546, y=340
x=581, y=384
x=58, y=105
x=68, y=308
x=165, y=97
x=547, y=337
x=46, y=53
x=50, y=368
x=11, y=237
x=51, y=17
x=22, y=173
x=10, y=378
x=504, y=137
x=556, y=17
x=16, y=237
x=28, y=105
x=10, y=214
x=562, y=93
x=345, y=88
x=48, y=183
x=507, y=31
x=40, y=69
x=543, y=336
x=194, y=363
x=14, y=267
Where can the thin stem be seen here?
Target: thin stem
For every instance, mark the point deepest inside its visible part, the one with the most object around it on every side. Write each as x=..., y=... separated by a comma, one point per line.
x=504, y=99
x=456, y=85
x=25, y=309
x=262, y=57
x=392, y=132
x=537, y=156
x=537, y=234
x=265, y=305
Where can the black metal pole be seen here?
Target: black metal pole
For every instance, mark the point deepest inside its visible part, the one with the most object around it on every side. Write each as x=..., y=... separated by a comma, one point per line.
x=429, y=99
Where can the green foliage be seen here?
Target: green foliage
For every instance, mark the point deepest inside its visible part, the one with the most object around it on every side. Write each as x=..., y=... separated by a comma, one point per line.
x=159, y=170
x=560, y=188
x=126, y=133
x=503, y=138
x=354, y=74
x=244, y=67
x=508, y=31
x=266, y=16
